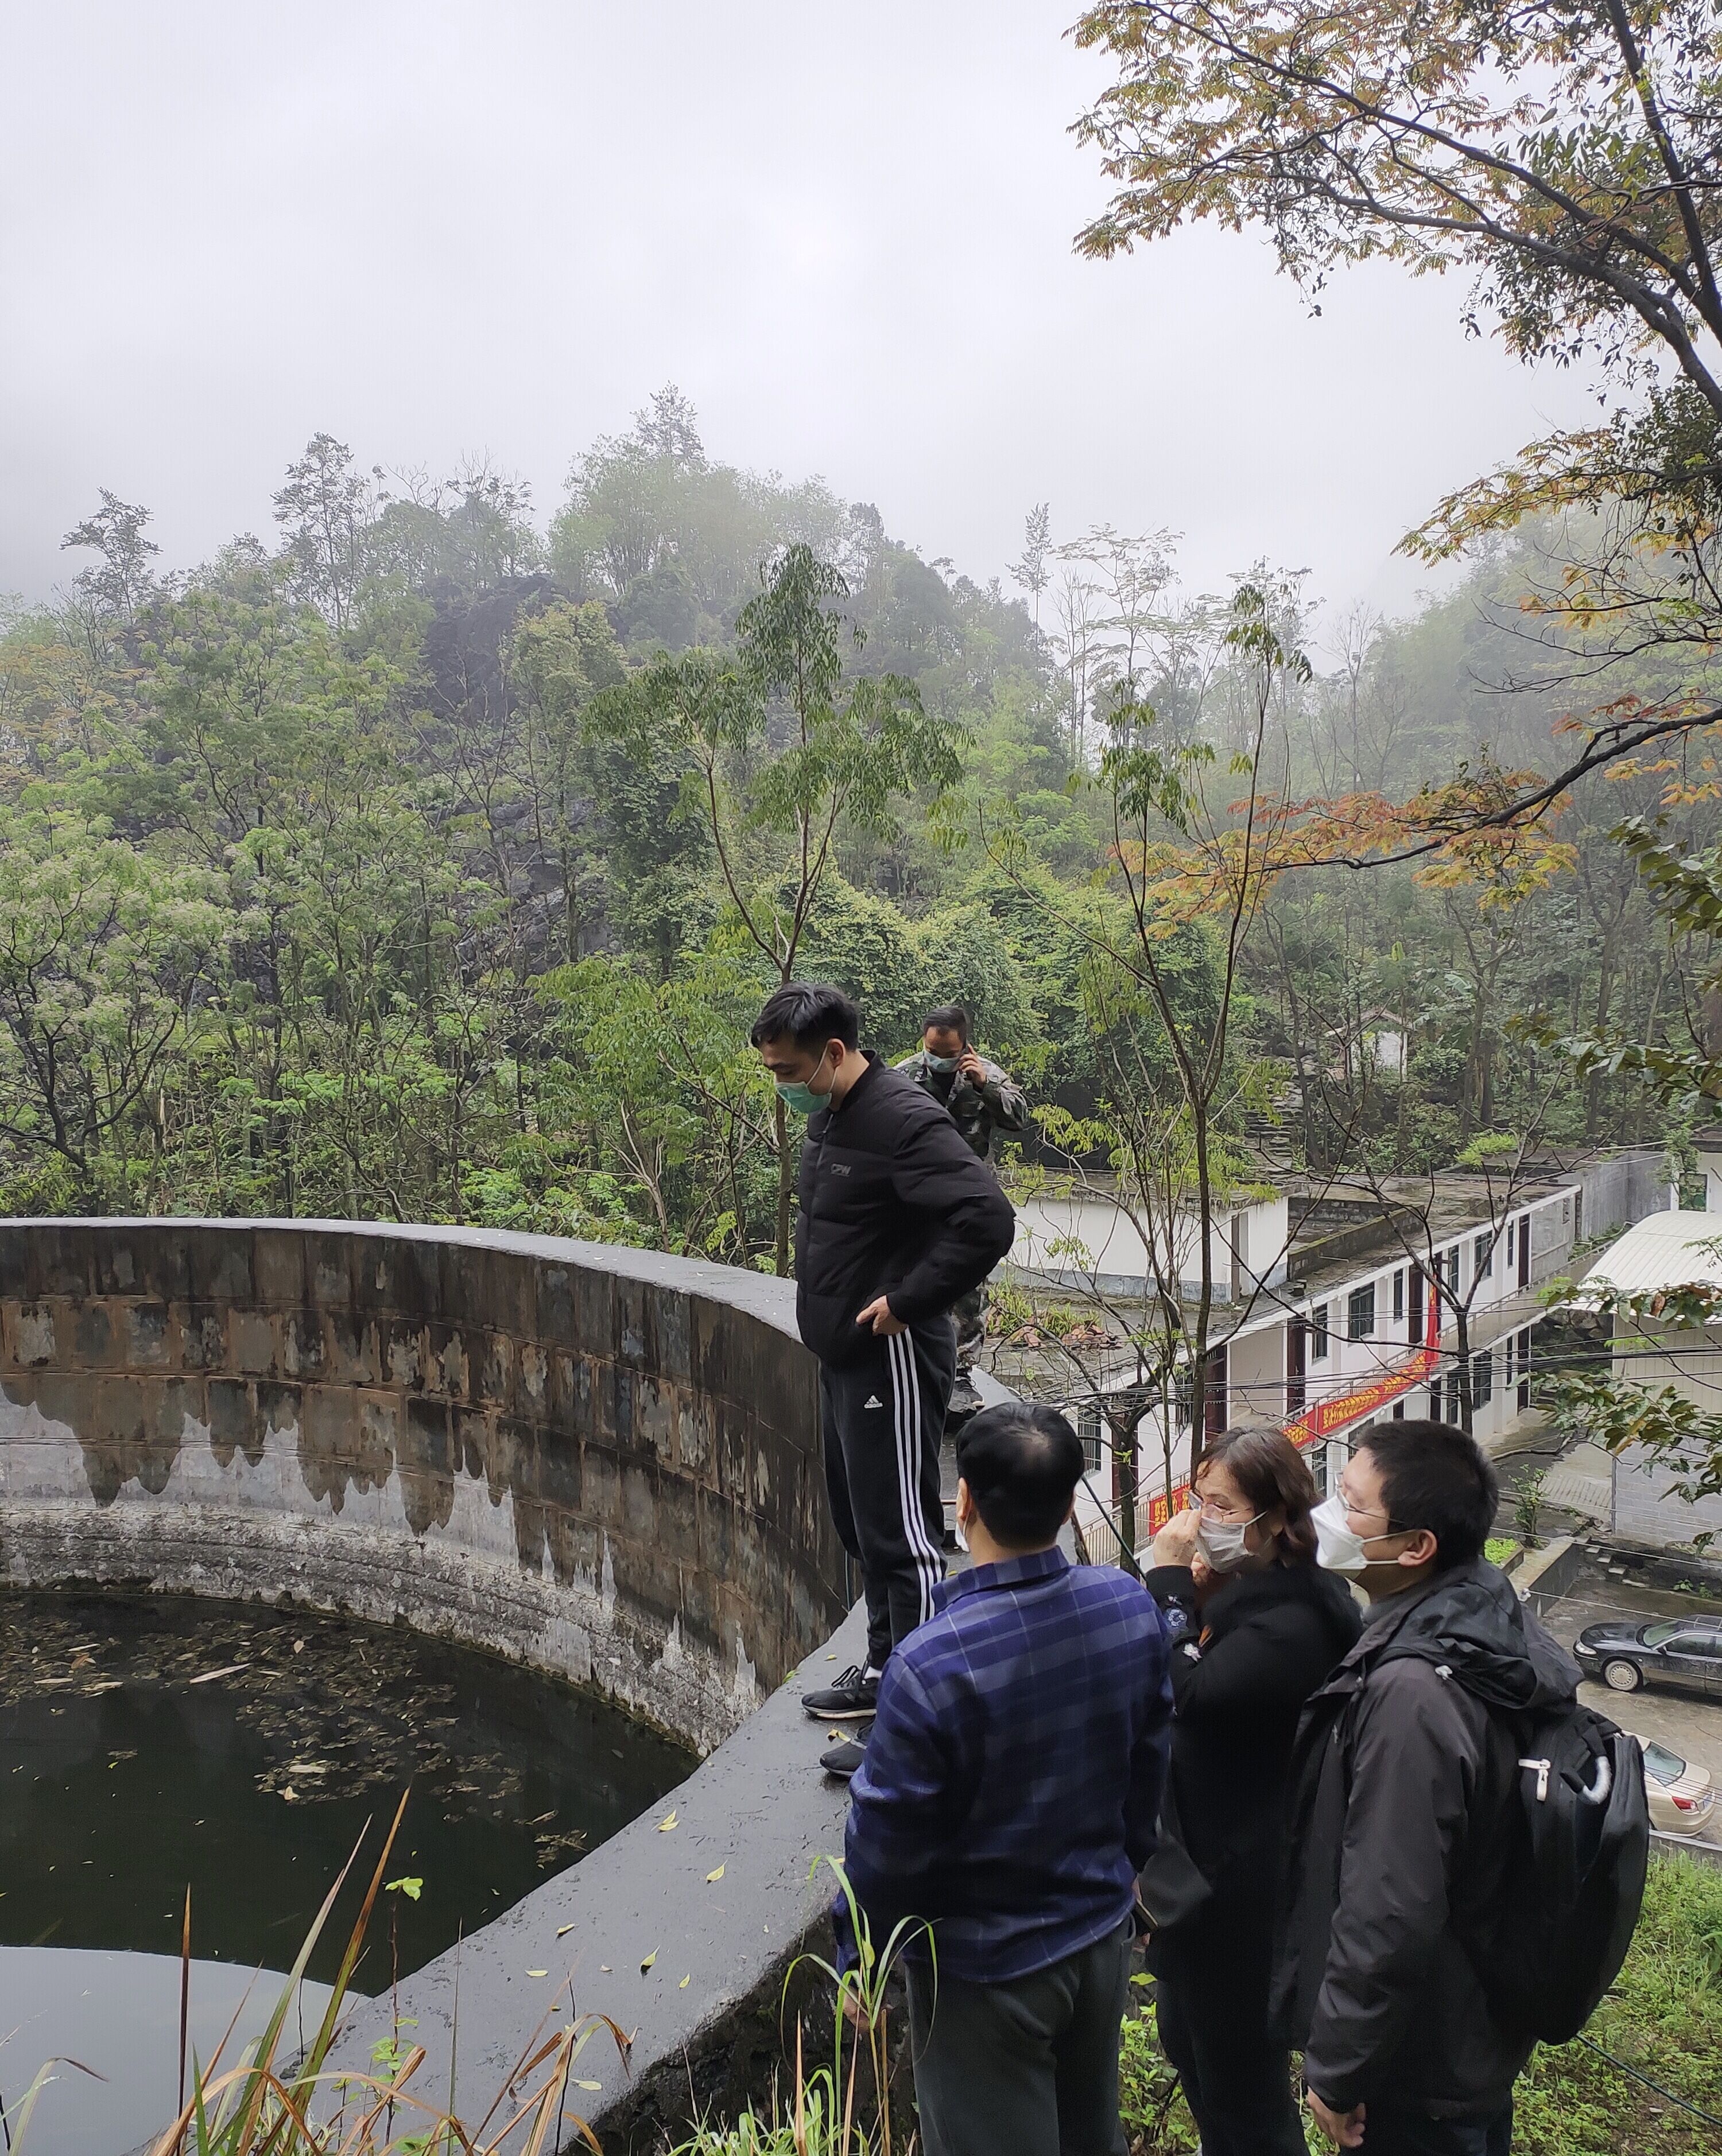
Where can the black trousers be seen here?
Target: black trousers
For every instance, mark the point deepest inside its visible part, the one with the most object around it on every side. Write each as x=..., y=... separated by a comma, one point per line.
x=883, y=1416
x=1211, y=1999
x=1028, y=2068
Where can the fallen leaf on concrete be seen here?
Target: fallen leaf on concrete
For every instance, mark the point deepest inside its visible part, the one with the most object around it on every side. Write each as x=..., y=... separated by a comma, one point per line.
x=712, y=1878
x=667, y=1823
x=563, y=1930
x=537, y=1971
x=588, y=2085
x=685, y=1983
x=648, y=1962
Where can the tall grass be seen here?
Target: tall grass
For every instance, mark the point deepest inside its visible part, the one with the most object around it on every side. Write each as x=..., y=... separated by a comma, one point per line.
x=842, y=2109
x=263, y=2104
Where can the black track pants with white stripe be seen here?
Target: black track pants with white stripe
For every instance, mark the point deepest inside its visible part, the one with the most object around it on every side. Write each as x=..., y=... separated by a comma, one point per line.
x=883, y=1418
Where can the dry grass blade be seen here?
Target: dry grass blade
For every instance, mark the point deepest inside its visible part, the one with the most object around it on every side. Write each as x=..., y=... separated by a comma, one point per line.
x=318, y=2048
x=185, y=1990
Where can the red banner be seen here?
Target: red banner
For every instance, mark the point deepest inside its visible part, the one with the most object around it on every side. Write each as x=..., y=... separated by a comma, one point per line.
x=1327, y=1416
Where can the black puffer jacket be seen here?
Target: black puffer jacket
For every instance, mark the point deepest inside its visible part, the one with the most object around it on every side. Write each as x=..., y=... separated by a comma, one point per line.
x=1403, y=1826
x=1242, y=1672
x=893, y=1202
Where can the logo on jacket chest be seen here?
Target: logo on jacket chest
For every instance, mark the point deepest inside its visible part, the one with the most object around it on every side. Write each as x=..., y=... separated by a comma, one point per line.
x=839, y=1167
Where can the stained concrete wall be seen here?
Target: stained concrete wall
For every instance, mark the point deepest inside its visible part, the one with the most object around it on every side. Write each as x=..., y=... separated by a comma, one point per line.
x=602, y=1462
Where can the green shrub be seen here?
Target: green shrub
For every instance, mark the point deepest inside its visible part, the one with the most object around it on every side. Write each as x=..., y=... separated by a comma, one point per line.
x=1661, y=2018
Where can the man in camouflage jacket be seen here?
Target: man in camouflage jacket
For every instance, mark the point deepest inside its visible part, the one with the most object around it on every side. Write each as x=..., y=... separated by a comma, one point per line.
x=980, y=1098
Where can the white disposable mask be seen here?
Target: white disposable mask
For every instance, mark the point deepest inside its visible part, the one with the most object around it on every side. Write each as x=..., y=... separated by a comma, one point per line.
x=941, y=1063
x=1338, y=1546
x=1222, y=1542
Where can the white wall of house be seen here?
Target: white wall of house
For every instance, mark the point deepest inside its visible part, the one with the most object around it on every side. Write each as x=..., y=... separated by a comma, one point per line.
x=1689, y=1361
x=1072, y=1239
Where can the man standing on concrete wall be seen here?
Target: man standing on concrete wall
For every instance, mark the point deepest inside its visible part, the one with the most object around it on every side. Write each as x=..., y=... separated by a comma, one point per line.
x=898, y=1220
x=980, y=1098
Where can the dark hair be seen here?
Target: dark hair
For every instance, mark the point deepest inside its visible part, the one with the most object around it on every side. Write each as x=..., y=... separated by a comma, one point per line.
x=808, y=1013
x=1021, y=1462
x=949, y=1017
x=1434, y=1476
x=1272, y=1475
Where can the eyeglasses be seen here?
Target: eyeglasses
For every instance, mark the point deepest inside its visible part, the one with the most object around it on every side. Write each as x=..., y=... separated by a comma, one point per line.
x=1365, y=1512
x=1200, y=1504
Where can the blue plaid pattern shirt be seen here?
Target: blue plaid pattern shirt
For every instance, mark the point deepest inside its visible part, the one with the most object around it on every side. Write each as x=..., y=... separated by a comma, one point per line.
x=1012, y=1779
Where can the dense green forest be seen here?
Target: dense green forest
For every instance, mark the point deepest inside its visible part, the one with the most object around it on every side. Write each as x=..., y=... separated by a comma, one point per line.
x=430, y=859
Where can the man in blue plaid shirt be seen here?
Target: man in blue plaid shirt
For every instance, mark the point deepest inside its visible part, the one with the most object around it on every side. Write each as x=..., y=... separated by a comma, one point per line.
x=1009, y=1798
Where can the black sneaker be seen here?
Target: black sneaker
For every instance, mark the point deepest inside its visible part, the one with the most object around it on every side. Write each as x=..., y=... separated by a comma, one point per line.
x=841, y=1758
x=855, y=1697
x=964, y=1404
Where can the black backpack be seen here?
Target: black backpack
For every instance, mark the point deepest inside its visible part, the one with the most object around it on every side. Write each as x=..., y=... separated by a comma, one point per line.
x=1570, y=1901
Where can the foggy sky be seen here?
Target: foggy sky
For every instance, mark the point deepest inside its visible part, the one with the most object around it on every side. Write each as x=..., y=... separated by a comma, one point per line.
x=844, y=230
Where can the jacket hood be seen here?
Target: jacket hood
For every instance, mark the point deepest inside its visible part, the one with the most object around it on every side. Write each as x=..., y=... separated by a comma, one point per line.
x=1471, y=1620
x=1305, y=1583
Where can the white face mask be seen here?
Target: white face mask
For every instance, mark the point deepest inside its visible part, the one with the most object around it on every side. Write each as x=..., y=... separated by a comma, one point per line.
x=1338, y=1546
x=1222, y=1542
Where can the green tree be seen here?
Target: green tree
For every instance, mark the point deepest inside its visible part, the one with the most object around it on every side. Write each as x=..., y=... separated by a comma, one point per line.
x=1569, y=160
x=108, y=963
x=783, y=749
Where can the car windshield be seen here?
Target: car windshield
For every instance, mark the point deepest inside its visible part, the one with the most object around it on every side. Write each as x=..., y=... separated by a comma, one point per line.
x=1666, y=1766
x=1658, y=1635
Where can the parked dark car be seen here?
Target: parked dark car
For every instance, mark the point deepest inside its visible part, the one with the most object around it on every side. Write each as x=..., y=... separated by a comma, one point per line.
x=1686, y=1651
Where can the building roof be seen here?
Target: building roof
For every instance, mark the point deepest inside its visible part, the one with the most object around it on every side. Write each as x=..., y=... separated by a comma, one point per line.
x=1664, y=1251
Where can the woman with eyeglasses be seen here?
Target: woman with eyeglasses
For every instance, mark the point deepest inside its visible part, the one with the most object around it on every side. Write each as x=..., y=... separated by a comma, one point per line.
x=1256, y=1628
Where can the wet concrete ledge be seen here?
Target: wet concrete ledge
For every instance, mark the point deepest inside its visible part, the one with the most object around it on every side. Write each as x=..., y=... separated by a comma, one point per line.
x=599, y=1461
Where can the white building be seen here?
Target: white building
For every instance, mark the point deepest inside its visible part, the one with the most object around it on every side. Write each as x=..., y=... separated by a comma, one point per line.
x=1085, y=1239
x=1326, y=1344
x=1665, y=1251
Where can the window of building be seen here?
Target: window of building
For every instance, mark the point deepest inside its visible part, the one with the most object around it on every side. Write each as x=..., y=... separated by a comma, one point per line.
x=1566, y=1211
x=1453, y=1270
x=1360, y=1313
x=1482, y=1256
x=1483, y=1378
x=1399, y=1294
x=1524, y=1368
x=1578, y=1216
x=1318, y=1333
x=1091, y=1431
